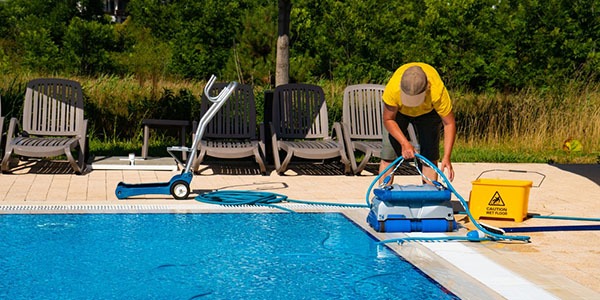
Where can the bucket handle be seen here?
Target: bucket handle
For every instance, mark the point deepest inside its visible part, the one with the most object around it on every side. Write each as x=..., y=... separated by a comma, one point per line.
x=515, y=171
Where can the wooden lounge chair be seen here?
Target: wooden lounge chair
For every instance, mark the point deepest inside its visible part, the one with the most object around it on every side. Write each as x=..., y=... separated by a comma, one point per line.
x=299, y=126
x=1, y=124
x=52, y=125
x=232, y=131
x=362, y=124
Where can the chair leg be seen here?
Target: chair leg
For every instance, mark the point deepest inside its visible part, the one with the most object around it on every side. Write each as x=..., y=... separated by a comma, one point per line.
x=198, y=160
x=261, y=162
x=82, y=159
x=286, y=161
x=276, y=158
x=364, y=162
x=6, y=160
x=348, y=168
x=352, y=158
x=346, y=162
x=72, y=161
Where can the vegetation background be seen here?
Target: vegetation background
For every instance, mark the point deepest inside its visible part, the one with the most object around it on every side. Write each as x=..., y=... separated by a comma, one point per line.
x=523, y=74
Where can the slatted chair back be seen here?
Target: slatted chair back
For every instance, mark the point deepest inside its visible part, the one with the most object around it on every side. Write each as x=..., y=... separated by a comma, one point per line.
x=53, y=107
x=237, y=118
x=362, y=111
x=300, y=112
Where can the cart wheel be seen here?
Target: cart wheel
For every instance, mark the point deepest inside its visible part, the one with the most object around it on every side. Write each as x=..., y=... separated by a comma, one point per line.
x=180, y=190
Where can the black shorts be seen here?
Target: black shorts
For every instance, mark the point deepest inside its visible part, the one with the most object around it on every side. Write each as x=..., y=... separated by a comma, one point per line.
x=428, y=128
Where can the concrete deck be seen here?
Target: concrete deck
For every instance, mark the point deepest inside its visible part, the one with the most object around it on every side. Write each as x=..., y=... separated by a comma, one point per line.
x=564, y=264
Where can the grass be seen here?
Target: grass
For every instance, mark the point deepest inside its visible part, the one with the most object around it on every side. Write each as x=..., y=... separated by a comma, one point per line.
x=531, y=125
x=497, y=153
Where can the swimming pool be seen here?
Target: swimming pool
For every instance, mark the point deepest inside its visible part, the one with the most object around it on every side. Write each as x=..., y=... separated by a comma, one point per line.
x=214, y=256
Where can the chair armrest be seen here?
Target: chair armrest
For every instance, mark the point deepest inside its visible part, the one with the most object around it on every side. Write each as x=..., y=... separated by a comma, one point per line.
x=337, y=132
x=275, y=147
x=346, y=135
x=13, y=128
x=261, y=137
x=83, y=128
x=337, y=129
x=194, y=128
x=83, y=134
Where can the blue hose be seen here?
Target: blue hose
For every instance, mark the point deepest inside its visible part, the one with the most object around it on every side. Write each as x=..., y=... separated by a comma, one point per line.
x=236, y=197
x=552, y=228
x=232, y=197
x=566, y=218
x=471, y=236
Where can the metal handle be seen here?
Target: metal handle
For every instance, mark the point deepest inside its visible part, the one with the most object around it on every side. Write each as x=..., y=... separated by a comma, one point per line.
x=208, y=87
x=218, y=101
x=230, y=87
x=515, y=171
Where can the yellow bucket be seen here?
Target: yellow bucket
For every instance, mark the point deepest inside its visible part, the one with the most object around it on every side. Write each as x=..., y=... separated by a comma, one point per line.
x=500, y=199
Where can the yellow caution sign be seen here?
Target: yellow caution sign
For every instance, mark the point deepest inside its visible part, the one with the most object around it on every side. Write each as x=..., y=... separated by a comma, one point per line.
x=500, y=199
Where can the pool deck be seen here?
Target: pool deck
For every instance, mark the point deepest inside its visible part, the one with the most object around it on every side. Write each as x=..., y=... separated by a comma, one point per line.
x=555, y=264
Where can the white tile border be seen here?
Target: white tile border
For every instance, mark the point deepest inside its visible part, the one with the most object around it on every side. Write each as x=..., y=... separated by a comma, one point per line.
x=505, y=282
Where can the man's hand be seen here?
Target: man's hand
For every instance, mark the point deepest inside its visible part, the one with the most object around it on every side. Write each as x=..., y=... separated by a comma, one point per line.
x=408, y=151
x=447, y=169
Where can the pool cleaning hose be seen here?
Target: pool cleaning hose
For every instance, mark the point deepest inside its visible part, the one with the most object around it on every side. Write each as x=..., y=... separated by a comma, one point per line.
x=552, y=228
x=236, y=197
x=481, y=234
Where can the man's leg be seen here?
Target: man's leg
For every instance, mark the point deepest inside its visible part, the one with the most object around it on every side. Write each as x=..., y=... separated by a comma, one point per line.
x=391, y=148
x=430, y=173
x=429, y=127
x=382, y=165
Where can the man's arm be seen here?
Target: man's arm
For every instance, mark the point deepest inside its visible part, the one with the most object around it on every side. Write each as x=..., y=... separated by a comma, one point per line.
x=449, y=138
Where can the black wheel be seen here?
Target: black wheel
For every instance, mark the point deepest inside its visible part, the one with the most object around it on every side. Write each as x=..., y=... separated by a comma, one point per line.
x=180, y=190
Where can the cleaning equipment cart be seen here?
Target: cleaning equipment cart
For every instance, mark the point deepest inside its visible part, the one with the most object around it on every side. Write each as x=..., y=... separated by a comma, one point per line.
x=179, y=185
x=409, y=208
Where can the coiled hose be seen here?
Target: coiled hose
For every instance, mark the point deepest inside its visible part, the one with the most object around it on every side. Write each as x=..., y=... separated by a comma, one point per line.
x=237, y=197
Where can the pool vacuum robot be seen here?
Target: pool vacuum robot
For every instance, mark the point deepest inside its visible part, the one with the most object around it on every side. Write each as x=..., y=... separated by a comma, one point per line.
x=410, y=208
x=179, y=185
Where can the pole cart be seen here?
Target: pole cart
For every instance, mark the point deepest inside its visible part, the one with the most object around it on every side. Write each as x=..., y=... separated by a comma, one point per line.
x=179, y=185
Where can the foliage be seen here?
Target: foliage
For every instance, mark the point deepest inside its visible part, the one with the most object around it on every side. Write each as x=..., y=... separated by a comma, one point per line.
x=513, y=67
x=143, y=54
x=480, y=45
x=202, y=32
x=253, y=54
x=87, y=46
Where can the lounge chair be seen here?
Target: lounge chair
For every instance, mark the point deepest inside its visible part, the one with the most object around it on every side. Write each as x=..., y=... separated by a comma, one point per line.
x=231, y=134
x=362, y=124
x=299, y=127
x=52, y=125
x=1, y=124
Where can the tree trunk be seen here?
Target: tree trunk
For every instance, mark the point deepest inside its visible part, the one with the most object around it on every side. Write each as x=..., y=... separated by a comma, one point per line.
x=282, y=71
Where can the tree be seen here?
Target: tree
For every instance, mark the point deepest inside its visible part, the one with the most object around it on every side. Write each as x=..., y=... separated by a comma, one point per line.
x=282, y=72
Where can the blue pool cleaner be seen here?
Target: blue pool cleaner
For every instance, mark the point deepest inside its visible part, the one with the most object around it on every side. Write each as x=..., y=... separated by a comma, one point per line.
x=480, y=234
x=179, y=185
x=408, y=208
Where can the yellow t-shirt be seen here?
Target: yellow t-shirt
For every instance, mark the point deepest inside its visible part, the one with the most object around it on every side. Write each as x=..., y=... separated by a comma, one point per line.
x=436, y=98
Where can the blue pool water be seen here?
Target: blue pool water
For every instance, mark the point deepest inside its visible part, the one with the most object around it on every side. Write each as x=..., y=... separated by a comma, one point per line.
x=209, y=256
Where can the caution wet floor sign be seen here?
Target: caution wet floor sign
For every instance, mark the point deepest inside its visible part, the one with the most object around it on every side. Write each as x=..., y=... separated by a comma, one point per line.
x=499, y=199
